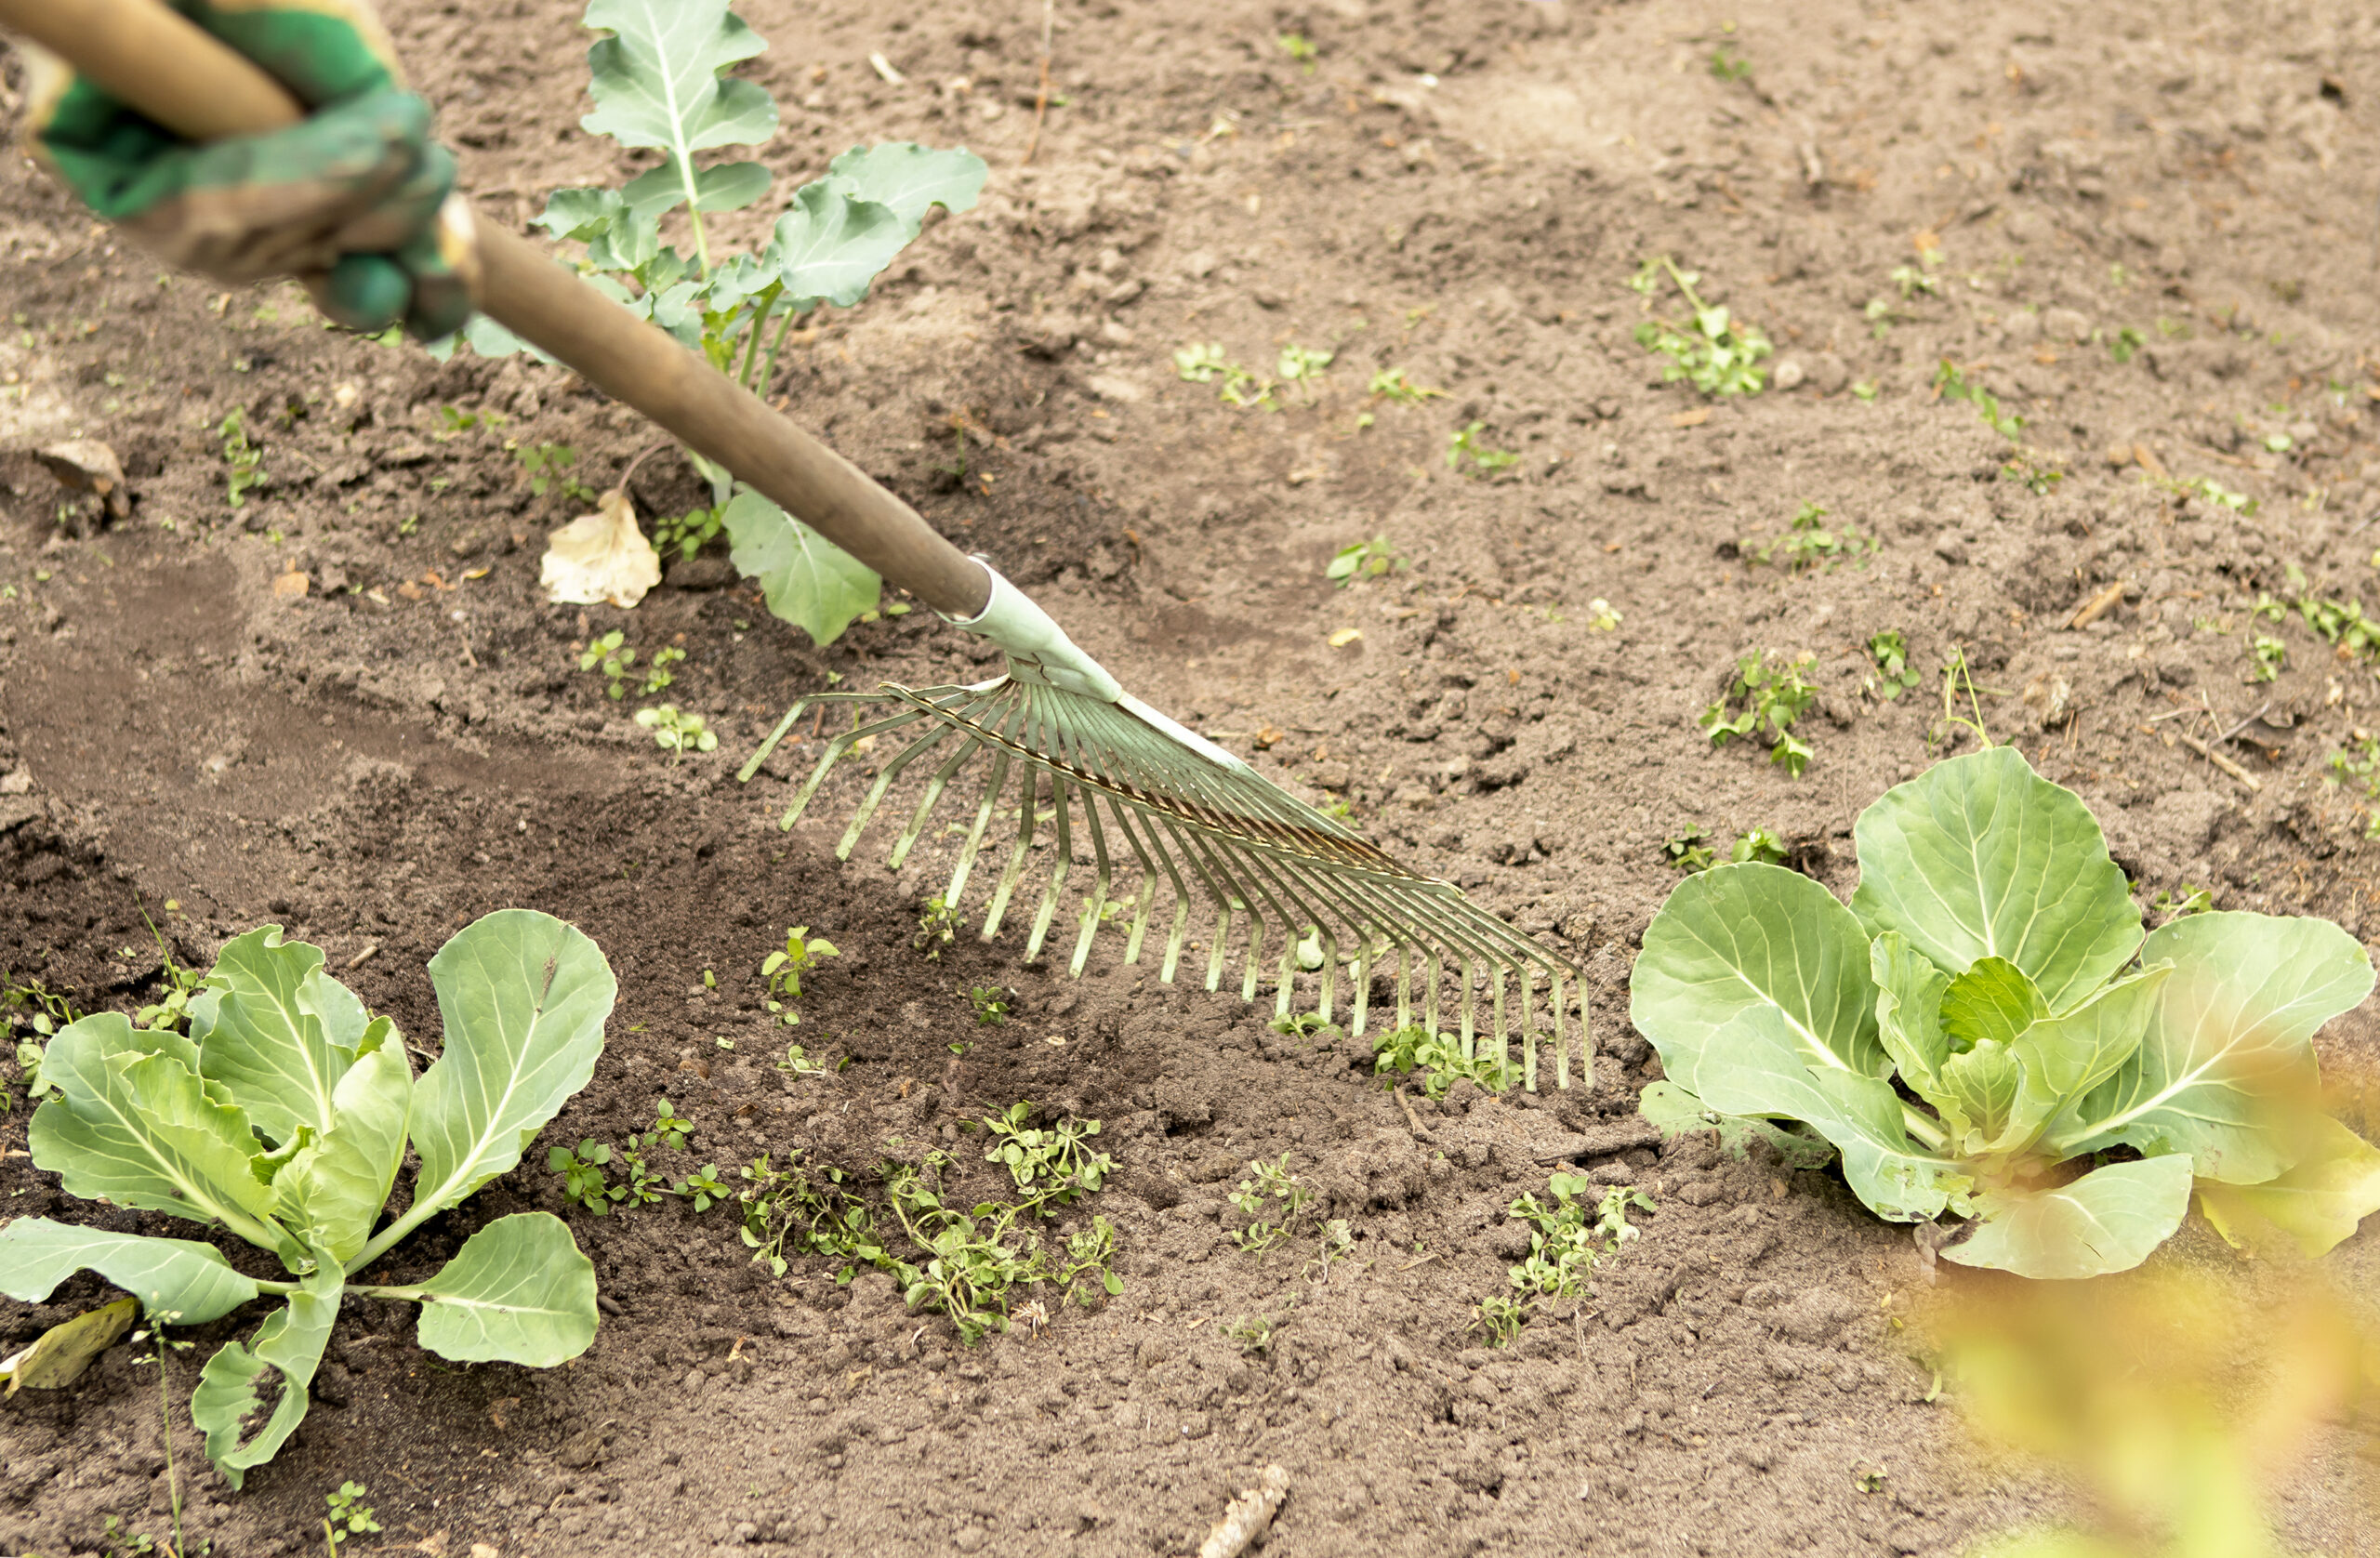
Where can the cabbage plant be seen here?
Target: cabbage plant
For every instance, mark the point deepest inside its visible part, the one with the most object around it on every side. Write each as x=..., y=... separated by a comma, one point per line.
x=283, y=1118
x=1985, y=1032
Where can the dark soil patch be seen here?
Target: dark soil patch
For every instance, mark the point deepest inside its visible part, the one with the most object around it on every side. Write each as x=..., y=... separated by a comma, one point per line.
x=1458, y=192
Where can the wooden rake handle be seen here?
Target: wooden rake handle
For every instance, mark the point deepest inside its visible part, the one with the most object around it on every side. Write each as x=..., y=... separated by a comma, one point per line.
x=185, y=79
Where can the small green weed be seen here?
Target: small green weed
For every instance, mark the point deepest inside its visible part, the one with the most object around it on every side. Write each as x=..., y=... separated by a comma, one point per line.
x=1252, y=1334
x=548, y=466
x=1950, y=384
x=2343, y=624
x=1688, y=850
x=454, y=422
x=1772, y=692
x=1299, y=1024
x=991, y=1004
x=1727, y=65
x=1395, y=384
x=1958, y=679
x=1054, y=1165
x=1440, y=1060
x=1718, y=355
x=1913, y=281
x=2268, y=657
x=350, y=1515
x=1567, y=1239
x=1364, y=559
x=1301, y=366
x=937, y=928
x=1464, y=443
x=677, y=732
x=2125, y=344
x=170, y=1012
x=703, y=1187
x=1298, y=47
x=1235, y=385
x=610, y=658
x=1758, y=846
x=2180, y=903
x=243, y=461
x=1811, y=543
x=1288, y=1198
x=658, y=675
x=689, y=532
x=2355, y=767
x=784, y=968
x=1893, y=676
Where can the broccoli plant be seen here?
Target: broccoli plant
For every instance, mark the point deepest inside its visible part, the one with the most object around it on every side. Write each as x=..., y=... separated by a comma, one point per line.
x=658, y=83
x=2065, y=1082
x=282, y=1117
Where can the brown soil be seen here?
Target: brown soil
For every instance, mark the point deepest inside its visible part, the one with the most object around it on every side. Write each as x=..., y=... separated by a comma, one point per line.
x=411, y=743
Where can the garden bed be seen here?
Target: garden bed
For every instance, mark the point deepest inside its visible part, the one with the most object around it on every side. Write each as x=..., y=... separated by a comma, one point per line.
x=2150, y=245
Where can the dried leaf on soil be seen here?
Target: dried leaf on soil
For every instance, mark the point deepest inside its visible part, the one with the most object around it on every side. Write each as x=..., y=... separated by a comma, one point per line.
x=600, y=558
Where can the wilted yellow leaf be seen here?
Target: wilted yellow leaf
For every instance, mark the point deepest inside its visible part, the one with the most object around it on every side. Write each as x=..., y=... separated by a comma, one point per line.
x=67, y=1349
x=601, y=557
x=1344, y=637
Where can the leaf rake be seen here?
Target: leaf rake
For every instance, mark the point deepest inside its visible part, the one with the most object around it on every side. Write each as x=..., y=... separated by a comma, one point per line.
x=1155, y=801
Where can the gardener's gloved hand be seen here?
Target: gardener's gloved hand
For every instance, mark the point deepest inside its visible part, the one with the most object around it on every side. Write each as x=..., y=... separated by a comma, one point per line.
x=349, y=200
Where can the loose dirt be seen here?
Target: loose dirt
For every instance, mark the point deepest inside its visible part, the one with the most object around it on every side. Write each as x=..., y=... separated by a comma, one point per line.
x=2155, y=243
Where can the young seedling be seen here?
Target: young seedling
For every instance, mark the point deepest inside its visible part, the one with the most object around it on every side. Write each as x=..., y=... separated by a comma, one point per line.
x=2268, y=657
x=1269, y=1182
x=1759, y=844
x=1252, y=1334
x=1364, y=559
x=2125, y=344
x=2343, y=624
x=1958, y=678
x=1300, y=48
x=689, y=532
x=1602, y=616
x=1727, y=65
x=2355, y=767
x=1719, y=356
x=703, y=1187
x=2066, y=1084
x=1893, y=676
x=937, y=928
x=1688, y=850
x=658, y=676
x=2174, y=903
x=991, y=1004
x=1811, y=543
x=1302, y=366
x=1395, y=384
x=609, y=658
x=1439, y=1058
x=243, y=461
x=678, y=731
x=1567, y=1239
x=1950, y=384
x=1235, y=385
x=1464, y=442
x=1773, y=692
x=1299, y=1024
x=547, y=466
x=349, y=1515
x=784, y=968
x=283, y=1118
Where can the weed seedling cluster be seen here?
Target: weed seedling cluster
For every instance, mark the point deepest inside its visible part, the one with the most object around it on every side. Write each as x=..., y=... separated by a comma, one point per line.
x=1889, y=651
x=1364, y=559
x=1952, y=384
x=1689, y=849
x=243, y=461
x=676, y=730
x=1768, y=692
x=1274, y=1200
x=1439, y=1058
x=1567, y=1239
x=1812, y=543
x=1463, y=443
x=1719, y=355
x=2355, y=767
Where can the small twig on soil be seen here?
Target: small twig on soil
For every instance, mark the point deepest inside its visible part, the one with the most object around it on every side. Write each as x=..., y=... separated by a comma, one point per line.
x=1423, y=1261
x=1248, y=1517
x=642, y=454
x=1042, y=98
x=1411, y=1117
x=2219, y=760
x=2098, y=605
x=2244, y=724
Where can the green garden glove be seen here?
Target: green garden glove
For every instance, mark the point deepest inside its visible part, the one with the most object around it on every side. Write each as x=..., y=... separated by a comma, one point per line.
x=349, y=200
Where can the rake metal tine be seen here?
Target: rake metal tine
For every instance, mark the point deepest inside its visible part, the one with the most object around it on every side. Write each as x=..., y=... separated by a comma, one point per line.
x=1469, y=1039
x=1015, y=862
x=1246, y=901
x=1181, y=890
x=1404, y=985
x=1561, y=1042
x=934, y=786
x=1215, y=892
x=1496, y=983
x=975, y=834
x=1098, y=899
x=885, y=777
x=1363, y=986
x=836, y=748
x=1147, y=895
x=1430, y=1017
x=1065, y=851
x=1529, y=1031
x=752, y=764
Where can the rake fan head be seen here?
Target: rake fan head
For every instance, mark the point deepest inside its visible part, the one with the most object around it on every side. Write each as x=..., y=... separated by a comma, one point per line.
x=1159, y=800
